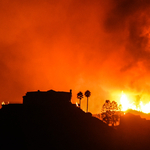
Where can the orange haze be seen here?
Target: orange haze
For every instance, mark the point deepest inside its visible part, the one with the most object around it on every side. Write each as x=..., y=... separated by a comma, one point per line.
x=101, y=46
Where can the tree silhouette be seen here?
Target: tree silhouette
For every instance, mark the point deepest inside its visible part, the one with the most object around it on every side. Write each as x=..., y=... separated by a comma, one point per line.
x=87, y=94
x=110, y=112
x=80, y=96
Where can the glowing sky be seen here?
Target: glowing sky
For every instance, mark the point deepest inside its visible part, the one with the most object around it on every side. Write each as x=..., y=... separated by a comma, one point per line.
x=101, y=46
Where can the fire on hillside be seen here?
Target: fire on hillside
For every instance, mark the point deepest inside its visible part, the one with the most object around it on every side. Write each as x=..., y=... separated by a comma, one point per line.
x=134, y=105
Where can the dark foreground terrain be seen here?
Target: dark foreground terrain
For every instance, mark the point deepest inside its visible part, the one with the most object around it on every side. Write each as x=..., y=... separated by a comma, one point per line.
x=59, y=124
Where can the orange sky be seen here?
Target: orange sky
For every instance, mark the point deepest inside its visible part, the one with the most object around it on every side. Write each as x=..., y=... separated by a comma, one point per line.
x=101, y=46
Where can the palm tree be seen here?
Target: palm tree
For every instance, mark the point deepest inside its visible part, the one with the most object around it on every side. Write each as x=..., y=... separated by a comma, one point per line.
x=87, y=94
x=80, y=96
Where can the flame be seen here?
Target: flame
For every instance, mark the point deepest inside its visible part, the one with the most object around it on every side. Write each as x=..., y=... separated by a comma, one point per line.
x=77, y=104
x=127, y=104
x=145, y=108
x=124, y=102
x=5, y=103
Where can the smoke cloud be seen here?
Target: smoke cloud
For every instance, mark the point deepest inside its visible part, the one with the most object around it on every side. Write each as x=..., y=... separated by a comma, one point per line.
x=74, y=44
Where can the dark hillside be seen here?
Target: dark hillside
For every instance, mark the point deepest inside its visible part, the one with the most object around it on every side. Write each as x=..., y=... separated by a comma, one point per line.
x=135, y=131
x=59, y=124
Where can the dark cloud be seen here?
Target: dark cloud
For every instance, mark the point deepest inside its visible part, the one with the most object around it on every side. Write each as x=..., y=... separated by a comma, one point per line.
x=129, y=20
x=123, y=11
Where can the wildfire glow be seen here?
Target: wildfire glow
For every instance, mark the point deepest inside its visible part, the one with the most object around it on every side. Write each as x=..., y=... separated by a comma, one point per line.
x=124, y=102
x=4, y=103
x=145, y=108
x=127, y=104
x=77, y=104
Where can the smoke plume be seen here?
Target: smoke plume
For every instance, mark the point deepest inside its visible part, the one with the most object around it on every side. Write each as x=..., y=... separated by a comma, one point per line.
x=74, y=44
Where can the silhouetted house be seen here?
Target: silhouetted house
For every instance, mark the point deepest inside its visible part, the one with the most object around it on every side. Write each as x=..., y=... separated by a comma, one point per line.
x=46, y=97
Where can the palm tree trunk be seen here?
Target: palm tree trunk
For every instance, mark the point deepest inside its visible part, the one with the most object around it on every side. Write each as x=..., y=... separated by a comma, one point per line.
x=80, y=103
x=87, y=105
